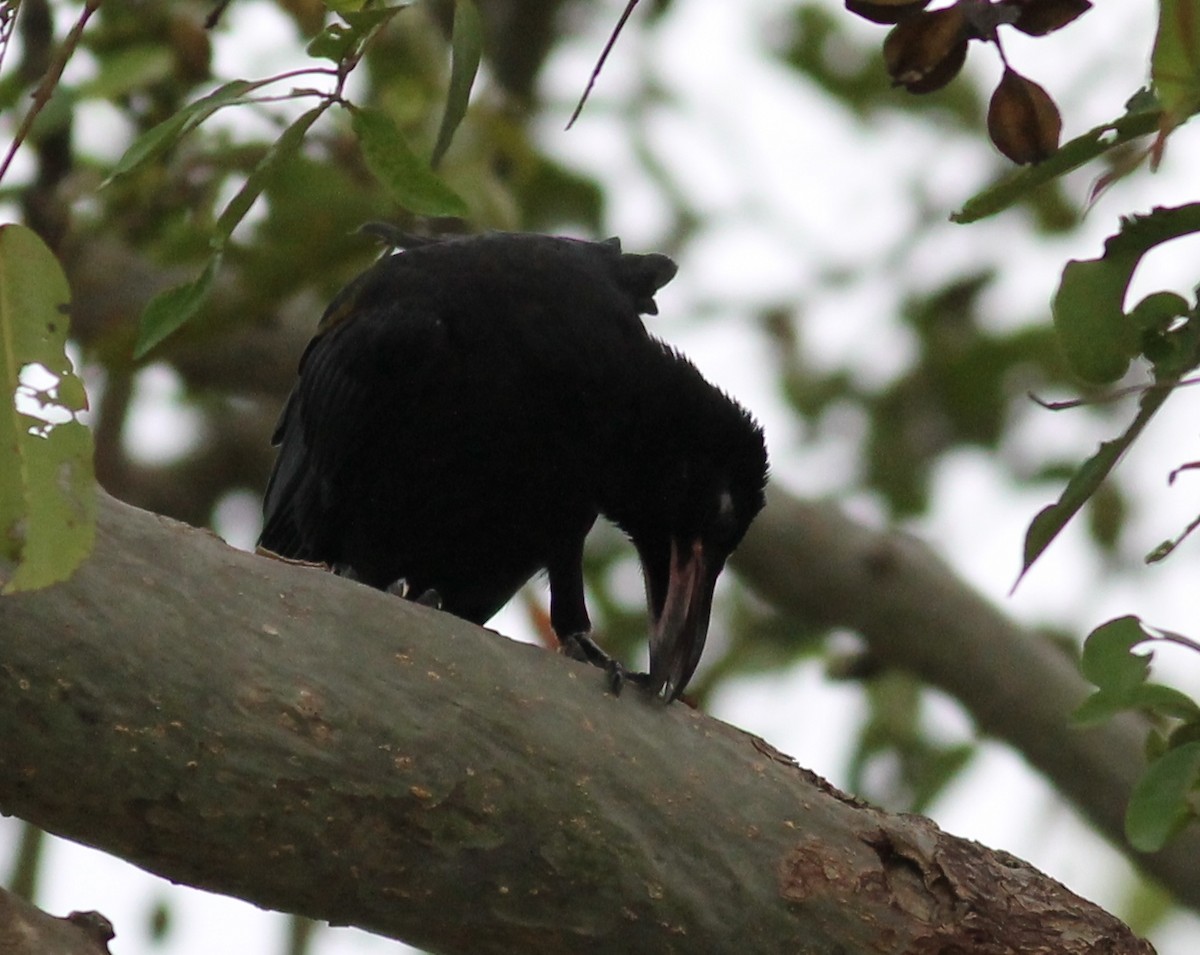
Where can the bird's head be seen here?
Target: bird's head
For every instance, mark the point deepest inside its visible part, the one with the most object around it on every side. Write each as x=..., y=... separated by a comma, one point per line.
x=698, y=482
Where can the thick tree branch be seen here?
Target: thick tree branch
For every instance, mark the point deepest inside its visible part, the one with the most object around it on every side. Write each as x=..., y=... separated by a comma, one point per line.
x=811, y=560
x=27, y=930
x=277, y=733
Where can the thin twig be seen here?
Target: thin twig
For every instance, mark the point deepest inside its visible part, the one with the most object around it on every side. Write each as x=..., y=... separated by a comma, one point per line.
x=1170, y=636
x=292, y=74
x=612, y=39
x=1190, y=466
x=1112, y=395
x=296, y=93
x=45, y=89
x=8, y=20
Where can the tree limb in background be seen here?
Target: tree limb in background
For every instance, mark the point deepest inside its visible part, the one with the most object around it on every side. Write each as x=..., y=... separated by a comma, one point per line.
x=810, y=560
x=289, y=737
x=27, y=930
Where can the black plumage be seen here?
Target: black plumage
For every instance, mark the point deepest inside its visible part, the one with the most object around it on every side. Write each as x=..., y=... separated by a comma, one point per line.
x=469, y=406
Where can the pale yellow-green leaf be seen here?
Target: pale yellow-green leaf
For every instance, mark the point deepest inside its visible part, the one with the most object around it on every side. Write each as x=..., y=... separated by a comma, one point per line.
x=47, y=495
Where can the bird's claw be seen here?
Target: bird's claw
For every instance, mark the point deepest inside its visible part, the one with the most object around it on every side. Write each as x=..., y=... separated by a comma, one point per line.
x=618, y=675
x=580, y=646
x=427, y=598
x=398, y=588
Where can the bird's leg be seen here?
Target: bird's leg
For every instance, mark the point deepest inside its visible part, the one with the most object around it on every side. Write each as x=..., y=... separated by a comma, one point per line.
x=569, y=618
x=580, y=646
x=568, y=610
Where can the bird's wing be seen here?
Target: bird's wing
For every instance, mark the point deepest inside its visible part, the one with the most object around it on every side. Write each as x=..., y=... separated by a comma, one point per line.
x=498, y=326
x=373, y=353
x=281, y=534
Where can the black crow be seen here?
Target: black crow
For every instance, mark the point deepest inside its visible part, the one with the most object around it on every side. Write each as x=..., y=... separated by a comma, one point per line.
x=469, y=406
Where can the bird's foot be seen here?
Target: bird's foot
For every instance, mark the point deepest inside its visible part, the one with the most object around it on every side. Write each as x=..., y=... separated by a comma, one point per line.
x=618, y=675
x=580, y=646
x=398, y=588
x=427, y=598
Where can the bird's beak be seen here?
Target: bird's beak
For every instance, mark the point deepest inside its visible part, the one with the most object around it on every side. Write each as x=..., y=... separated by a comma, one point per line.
x=681, y=624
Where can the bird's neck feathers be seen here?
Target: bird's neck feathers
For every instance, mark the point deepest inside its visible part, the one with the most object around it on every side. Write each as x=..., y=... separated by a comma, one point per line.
x=685, y=451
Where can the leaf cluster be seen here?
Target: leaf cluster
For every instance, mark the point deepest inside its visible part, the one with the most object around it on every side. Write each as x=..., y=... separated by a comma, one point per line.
x=1168, y=796
x=1095, y=338
x=1098, y=336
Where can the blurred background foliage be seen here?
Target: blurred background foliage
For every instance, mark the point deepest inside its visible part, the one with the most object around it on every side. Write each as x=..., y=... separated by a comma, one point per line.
x=185, y=431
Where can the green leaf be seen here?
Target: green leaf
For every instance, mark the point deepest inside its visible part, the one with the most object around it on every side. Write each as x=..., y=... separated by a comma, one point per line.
x=1142, y=119
x=1165, y=701
x=1162, y=701
x=1084, y=482
x=339, y=41
x=1109, y=662
x=162, y=137
x=411, y=183
x=281, y=150
x=1158, y=310
x=1097, y=337
x=334, y=43
x=1169, y=332
x=1097, y=708
x=1188, y=731
x=170, y=309
x=1160, y=804
x=1175, y=62
x=1107, y=659
x=466, y=49
x=47, y=493
x=1099, y=340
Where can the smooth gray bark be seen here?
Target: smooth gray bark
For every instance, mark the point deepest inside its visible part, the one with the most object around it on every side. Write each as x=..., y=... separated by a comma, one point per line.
x=279, y=734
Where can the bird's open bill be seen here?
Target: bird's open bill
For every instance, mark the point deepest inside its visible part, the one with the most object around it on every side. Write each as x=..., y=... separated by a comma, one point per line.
x=680, y=619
